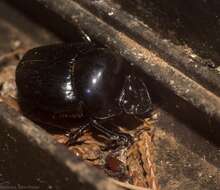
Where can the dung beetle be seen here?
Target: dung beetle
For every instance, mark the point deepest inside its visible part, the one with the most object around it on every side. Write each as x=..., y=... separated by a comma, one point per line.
x=83, y=83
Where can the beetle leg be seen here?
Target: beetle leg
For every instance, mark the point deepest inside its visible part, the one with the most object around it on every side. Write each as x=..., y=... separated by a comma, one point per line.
x=74, y=135
x=119, y=140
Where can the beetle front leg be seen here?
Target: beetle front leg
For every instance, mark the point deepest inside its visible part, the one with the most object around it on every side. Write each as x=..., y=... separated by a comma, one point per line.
x=74, y=135
x=118, y=140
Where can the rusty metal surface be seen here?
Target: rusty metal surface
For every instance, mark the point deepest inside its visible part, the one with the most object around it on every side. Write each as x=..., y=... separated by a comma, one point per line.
x=185, y=120
x=191, y=24
x=178, y=56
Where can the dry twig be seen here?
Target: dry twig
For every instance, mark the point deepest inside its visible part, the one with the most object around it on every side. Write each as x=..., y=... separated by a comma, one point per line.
x=128, y=186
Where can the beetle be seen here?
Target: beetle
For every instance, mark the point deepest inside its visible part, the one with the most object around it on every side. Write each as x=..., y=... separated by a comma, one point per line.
x=80, y=83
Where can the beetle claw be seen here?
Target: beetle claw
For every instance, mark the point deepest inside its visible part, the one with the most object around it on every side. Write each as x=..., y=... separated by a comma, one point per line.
x=74, y=135
x=119, y=142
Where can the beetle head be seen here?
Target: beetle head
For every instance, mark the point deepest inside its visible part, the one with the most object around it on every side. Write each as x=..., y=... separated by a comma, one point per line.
x=135, y=99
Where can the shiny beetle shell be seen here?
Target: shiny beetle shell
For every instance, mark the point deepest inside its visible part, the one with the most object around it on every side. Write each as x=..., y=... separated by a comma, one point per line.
x=79, y=81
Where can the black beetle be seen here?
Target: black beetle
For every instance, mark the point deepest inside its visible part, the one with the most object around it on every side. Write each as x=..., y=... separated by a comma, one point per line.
x=80, y=82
